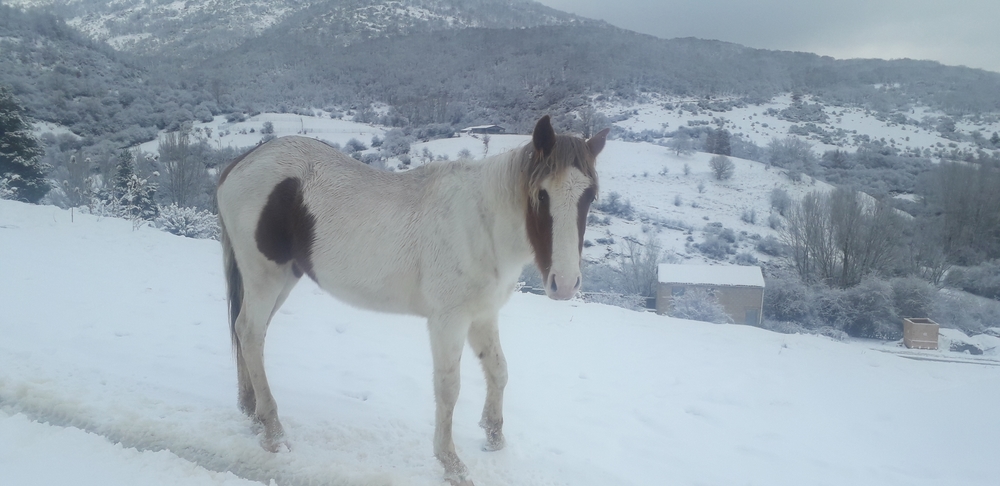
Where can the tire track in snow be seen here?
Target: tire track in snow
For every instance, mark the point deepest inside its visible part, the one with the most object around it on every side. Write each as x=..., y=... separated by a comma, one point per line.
x=234, y=451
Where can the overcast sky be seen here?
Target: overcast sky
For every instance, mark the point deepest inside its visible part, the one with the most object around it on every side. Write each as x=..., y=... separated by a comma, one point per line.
x=953, y=32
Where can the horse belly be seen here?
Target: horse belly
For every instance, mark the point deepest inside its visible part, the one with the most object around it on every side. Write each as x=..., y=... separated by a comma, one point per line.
x=371, y=279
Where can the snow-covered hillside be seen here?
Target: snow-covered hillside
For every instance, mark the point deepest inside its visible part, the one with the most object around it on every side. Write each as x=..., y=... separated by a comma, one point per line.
x=829, y=127
x=671, y=203
x=116, y=368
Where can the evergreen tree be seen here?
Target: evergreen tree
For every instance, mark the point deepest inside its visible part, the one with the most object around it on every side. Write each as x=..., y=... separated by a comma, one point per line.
x=131, y=194
x=717, y=142
x=22, y=176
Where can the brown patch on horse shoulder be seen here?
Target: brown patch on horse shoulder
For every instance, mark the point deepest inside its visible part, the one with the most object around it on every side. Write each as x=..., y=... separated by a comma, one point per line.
x=539, y=225
x=286, y=230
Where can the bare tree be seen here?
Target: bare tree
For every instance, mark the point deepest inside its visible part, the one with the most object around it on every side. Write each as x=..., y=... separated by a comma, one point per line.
x=722, y=167
x=184, y=170
x=638, y=263
x=842, y=237
x=681, y=144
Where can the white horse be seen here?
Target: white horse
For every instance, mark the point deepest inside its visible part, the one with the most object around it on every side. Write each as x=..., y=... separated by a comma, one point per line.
x=446, y=241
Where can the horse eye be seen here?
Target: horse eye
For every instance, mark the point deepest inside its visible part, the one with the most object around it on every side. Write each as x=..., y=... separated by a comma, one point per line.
x=543, y=195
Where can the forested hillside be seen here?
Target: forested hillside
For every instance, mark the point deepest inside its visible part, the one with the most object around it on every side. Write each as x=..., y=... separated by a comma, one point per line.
x=63, y=77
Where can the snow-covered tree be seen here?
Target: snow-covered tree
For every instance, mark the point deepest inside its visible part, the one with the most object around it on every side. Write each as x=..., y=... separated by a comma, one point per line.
x=681, y=144
x=717, y=142
x=130, y=196
x=22, y=176
x=722, y=167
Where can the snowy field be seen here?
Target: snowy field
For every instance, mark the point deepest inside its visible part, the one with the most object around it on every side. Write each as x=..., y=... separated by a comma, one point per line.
x=116, y=369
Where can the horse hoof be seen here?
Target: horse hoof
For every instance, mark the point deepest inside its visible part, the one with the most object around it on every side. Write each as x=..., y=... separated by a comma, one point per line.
x=275, y=445
x=490, y=446
x=494, y=436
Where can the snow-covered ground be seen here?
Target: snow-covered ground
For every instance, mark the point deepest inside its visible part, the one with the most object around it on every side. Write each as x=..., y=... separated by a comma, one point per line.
x=116, y=368
x=664, y=113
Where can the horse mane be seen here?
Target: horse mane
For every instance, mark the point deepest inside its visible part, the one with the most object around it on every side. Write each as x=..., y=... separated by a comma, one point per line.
x=534, y=166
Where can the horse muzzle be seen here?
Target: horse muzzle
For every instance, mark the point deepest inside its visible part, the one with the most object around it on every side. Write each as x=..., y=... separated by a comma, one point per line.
x=563, y=286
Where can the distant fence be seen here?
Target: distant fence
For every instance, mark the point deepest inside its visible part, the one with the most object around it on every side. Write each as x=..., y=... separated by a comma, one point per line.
x=636, y=302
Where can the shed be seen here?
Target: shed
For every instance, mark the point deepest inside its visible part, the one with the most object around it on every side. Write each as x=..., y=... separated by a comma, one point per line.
x=484, y=129
x=740, y=289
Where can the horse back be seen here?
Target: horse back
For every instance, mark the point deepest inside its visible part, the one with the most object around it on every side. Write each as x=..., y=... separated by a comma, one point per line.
x=348, y=226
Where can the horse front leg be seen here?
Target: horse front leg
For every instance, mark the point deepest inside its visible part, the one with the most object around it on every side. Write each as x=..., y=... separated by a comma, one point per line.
x=484, y=337
x=448, y=336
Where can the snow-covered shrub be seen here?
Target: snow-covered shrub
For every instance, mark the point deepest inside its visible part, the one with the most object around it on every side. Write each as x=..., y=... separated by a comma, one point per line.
x=983, y=279
x=614, y=205
x=770, y=245
x=774, y=222
x=188, y=222
x=780, y=200
x=355, y=145
x=913, y=297
x=396, y=143
x=715, y=248
x=788, y=299
x=969, y=313
x=745, y=258
x=749, y=216
x=868, y=311
x=595, y=220
x=699, y=305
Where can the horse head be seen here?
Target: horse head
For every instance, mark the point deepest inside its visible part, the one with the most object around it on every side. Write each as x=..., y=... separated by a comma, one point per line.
x=561, y=185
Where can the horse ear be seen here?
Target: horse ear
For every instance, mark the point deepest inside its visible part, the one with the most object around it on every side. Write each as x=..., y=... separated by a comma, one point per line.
x=596, y=143
x=544, y=137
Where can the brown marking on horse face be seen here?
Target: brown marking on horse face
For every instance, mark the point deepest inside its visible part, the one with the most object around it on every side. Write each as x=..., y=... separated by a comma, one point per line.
x=539, y=225
x=229, y=168
x=286, y=230
x=583, y=207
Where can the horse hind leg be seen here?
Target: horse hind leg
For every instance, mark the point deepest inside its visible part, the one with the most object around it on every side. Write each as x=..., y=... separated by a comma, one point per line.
x=247, y=399
x=484, y=338
x=262, y=297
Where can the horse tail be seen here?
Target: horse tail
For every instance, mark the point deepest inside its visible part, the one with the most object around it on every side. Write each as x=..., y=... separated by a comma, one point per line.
x=234, y=284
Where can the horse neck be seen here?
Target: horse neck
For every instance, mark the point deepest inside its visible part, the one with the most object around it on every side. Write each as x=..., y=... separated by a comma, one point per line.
x=503, y=192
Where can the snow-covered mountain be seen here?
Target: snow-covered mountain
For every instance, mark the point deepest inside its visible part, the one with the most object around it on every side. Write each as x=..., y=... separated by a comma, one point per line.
x=200, y=26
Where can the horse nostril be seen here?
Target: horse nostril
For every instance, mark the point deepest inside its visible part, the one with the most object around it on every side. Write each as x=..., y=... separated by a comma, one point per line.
x=552, y=285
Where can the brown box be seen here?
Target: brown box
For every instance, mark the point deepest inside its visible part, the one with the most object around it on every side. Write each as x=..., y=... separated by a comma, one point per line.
x=920, y=333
